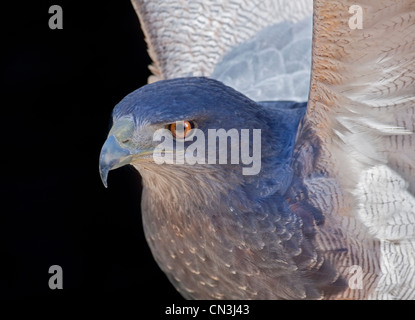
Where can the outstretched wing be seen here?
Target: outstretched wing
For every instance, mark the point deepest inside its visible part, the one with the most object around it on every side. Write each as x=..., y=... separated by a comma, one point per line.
x=355, y=150
x=255, y=46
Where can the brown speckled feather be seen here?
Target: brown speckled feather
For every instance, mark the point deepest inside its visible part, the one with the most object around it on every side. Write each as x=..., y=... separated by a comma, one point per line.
x=361, y=118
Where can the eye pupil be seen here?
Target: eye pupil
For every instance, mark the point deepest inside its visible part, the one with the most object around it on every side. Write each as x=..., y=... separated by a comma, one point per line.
x=181, y=130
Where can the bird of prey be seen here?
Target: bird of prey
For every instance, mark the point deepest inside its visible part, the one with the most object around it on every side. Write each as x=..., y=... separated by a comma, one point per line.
x=329, y=210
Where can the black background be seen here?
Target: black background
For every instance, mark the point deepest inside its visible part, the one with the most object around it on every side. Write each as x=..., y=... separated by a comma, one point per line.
x=58, y=88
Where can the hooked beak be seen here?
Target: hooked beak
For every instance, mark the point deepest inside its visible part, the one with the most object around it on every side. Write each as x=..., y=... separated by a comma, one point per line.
x=112, y=156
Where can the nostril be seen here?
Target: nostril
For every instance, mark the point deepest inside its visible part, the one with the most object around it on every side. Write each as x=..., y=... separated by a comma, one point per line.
x=125, y=141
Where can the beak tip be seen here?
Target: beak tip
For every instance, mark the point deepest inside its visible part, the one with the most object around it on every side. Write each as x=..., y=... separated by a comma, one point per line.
x=104, y=168
x=104, y=176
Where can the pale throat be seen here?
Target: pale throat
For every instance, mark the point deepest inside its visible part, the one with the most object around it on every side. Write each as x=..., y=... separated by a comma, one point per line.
x=186, y=190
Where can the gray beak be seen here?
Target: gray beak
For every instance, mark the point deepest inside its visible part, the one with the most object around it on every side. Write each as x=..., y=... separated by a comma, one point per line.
x=112, y=156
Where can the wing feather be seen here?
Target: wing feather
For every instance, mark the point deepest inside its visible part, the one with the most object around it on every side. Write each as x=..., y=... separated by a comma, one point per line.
x=189, y=37
x=358, y=138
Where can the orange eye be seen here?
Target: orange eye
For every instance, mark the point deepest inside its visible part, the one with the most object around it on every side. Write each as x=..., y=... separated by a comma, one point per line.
x=181, y=129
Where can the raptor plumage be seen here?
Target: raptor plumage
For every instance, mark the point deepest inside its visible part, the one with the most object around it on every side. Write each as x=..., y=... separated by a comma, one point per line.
x=334, y=201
